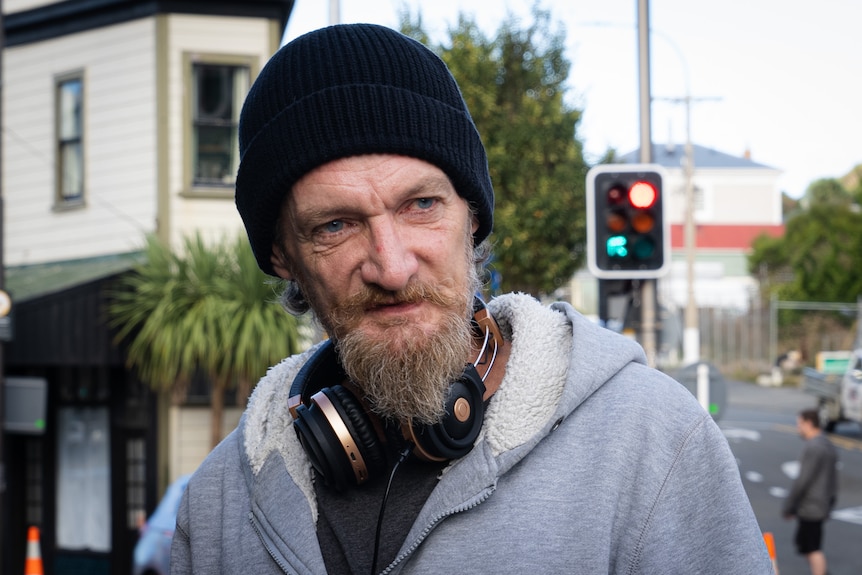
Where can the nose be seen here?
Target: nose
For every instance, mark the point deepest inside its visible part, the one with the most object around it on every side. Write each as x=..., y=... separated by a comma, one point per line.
x=390, y=262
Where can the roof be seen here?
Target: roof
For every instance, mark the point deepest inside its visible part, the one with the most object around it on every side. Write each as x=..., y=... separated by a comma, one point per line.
x=671, y=156
x=50, y=20
x=729, y=237
x=29, y=282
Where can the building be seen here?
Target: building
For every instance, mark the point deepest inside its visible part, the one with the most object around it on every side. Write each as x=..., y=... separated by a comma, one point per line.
x=735, y=200
x=119, y=120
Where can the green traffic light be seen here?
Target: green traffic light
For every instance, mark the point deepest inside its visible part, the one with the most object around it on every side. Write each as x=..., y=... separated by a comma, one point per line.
x=617, y=246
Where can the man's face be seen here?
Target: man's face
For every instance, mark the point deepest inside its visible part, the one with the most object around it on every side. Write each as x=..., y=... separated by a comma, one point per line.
x=804, y=427
x=381, y=246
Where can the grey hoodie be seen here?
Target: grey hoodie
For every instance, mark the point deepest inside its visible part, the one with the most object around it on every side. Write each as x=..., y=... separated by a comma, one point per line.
x=588, y=462
x=815, y=489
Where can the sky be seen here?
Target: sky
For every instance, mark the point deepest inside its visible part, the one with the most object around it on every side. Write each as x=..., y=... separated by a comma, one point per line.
x=781, y=79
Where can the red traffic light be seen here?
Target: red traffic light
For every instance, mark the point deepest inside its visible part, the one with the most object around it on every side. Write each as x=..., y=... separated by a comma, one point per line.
x=642, y=194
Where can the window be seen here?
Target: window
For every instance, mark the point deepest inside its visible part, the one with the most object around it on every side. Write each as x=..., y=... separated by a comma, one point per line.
x=135, y=482
x=218, y=91
x=83, y=479
x=70, y=152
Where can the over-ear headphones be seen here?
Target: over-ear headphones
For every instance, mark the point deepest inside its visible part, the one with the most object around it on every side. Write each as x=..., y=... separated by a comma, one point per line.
x=345, y=441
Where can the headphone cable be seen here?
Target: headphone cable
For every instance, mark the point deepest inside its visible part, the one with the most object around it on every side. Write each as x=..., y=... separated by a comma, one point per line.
x=402, y=457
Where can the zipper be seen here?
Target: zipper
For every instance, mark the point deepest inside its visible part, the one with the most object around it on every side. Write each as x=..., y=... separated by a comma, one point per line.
x=425, y=532
x=275, y=557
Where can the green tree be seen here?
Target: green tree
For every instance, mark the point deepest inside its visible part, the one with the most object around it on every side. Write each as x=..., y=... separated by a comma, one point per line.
x=514, y=86
x=205, y=310
x=827, y=192
x=819, y=258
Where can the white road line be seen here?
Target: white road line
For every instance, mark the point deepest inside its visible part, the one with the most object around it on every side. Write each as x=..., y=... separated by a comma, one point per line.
x=735, y=434
x=754, y=476
x=790, y=469
x=850, y=515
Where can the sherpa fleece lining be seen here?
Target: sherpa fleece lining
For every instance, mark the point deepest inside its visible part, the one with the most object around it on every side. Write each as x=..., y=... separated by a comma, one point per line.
x=532, y=386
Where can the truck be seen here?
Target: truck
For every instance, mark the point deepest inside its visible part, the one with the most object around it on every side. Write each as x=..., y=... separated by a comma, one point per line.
x=838, y=391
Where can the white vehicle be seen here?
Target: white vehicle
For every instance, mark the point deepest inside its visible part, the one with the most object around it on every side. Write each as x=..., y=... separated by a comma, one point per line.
x=839, y=395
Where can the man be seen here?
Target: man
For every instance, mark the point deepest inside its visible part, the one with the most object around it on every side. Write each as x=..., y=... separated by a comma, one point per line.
x=814, y=490
x=432, y=433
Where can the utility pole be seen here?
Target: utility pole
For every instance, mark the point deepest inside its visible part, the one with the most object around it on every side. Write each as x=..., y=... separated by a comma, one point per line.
x=648, y=332
x=691, y=333
x=334, y=12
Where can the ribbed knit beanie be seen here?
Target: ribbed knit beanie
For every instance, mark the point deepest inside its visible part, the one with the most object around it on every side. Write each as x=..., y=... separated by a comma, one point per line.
x=347, y=90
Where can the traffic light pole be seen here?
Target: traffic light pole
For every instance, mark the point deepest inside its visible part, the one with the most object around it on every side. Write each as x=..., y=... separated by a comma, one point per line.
x=648, y=336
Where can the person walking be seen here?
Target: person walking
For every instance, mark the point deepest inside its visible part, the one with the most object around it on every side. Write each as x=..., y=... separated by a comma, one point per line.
x=814, y=490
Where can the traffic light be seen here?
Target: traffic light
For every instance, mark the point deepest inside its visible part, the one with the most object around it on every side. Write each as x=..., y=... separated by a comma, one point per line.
x=628, y=235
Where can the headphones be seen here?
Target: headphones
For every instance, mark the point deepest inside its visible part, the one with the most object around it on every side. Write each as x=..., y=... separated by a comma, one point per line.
x=346, y=442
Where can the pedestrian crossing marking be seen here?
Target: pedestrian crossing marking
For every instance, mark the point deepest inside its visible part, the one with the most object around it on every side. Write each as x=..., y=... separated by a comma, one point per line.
x=850, y=515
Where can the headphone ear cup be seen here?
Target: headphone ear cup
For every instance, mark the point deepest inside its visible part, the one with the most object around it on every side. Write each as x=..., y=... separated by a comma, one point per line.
x=319, y=442
x=455, y=434
x=339, y=438
x=361, y=428
x=331, y=427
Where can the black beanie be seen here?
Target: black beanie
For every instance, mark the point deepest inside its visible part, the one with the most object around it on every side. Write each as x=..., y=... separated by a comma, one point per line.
x=347, y=90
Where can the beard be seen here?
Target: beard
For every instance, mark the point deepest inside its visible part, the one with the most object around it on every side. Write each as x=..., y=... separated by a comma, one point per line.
x=404, y=370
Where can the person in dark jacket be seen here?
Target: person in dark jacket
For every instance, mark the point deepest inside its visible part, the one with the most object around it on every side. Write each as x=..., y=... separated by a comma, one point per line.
x=814, y=490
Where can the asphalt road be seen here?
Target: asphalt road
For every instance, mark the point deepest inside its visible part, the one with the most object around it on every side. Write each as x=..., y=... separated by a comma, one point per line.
x=760, y=425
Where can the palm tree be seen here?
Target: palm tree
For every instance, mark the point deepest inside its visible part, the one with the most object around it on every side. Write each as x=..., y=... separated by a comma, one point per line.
x=205, y=310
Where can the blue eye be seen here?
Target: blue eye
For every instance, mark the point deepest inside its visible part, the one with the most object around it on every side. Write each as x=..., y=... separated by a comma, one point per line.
x=333, y=226
x=425, y=203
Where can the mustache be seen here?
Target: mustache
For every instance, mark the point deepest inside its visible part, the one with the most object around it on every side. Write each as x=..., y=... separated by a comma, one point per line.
x=372, y=296
x=349, y=310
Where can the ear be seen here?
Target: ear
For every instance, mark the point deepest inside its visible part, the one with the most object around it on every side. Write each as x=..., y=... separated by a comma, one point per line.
x=475, y=225
x=279, y=263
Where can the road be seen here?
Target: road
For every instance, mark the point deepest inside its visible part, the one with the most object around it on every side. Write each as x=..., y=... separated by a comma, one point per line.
x=760, y=425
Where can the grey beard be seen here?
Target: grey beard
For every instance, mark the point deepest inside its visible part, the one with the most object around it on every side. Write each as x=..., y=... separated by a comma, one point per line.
x=407, y=376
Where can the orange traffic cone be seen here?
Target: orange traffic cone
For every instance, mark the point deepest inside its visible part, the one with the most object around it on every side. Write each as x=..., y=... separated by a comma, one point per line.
x=770, y=546
x=33, y=564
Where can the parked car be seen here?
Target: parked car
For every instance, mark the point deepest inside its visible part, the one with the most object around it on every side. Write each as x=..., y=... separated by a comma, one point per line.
x=153, y=550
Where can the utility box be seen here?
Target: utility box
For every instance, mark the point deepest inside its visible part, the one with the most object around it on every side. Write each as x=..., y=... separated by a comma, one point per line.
x=24, y=405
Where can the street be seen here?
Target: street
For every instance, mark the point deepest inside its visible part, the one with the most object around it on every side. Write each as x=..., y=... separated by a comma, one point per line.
x=760, y=425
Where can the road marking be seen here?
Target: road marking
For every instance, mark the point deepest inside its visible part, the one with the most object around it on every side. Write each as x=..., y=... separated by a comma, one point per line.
x=778, y=492
x=846, y=443
x=785, y=428
x=850, y=515
x=754, y=476
x=745, y=424
x=740, y=434
x=737, y=434
x=790, y=469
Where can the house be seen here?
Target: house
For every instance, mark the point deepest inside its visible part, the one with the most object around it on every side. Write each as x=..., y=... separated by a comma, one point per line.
x=118, y=120
x=735, y=200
